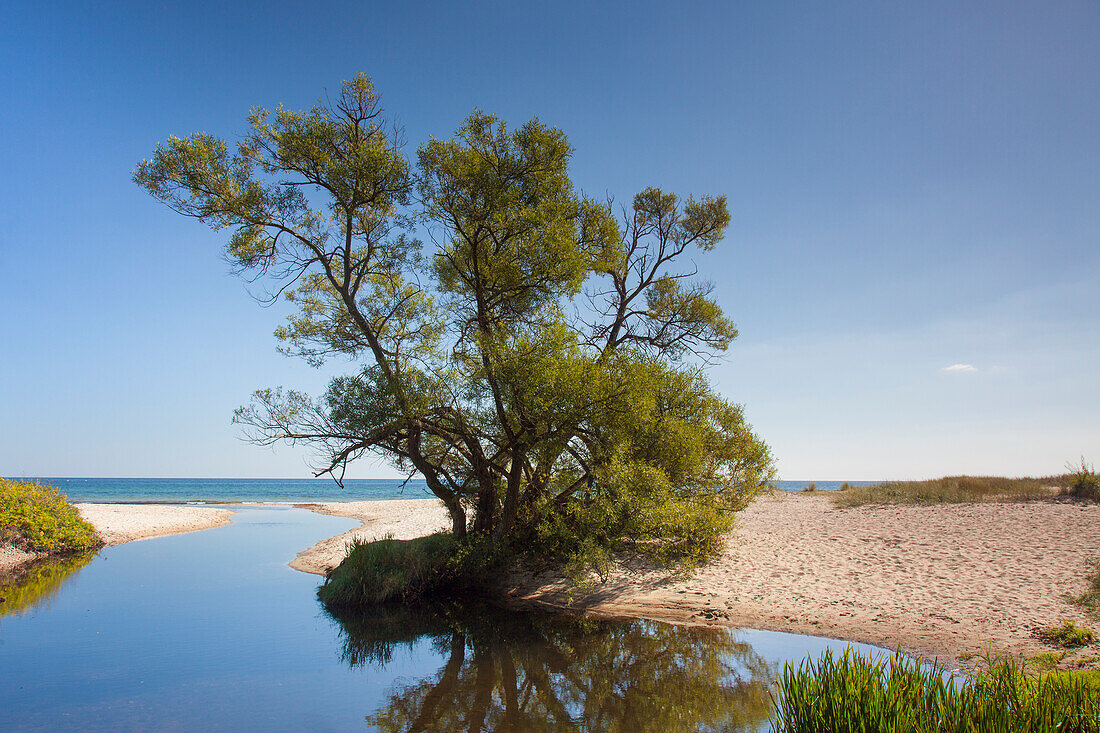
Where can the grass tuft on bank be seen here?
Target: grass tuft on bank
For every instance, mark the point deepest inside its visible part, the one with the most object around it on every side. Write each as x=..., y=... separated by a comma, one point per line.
x=38, y=518
x=389, y=570
x=856, y=693
x=1067, y=635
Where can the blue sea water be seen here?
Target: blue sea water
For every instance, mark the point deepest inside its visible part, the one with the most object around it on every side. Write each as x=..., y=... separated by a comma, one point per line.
x=209, y=490
x=213, y=490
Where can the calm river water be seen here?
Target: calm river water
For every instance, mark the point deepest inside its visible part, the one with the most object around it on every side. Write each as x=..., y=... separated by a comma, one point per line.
x=212, y=630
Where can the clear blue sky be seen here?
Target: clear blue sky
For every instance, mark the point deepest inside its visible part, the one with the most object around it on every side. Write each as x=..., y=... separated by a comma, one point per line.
x=914, y=186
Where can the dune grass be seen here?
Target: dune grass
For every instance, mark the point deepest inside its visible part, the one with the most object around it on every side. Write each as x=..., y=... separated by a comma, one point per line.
x=1067, y=635
x=855, y=693
x=38, y=518
x=954, y=490
x=1083, y=482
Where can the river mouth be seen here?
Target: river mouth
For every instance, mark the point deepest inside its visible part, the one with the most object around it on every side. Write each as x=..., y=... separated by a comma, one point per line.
x=212, y=630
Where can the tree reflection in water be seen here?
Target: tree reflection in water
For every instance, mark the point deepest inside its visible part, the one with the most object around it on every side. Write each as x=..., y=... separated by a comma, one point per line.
x=525, y=671
x=39, y=583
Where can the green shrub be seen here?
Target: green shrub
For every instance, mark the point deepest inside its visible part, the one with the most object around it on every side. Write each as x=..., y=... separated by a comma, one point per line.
x=389, y=570
x=854, y=693
x=1068, y=636
x=1084, y=482
x=38, y=518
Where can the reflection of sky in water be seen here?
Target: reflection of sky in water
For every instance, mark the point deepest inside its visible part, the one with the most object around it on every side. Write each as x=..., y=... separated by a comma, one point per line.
x=212, y=629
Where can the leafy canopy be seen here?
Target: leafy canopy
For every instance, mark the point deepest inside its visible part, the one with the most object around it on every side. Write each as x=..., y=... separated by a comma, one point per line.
x=540, y=361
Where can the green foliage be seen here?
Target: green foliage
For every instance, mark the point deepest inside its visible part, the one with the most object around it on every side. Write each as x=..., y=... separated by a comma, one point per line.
x=1084, y=482
x=1047, y=661
x=855, y=693
x=37, y=518
x=389, y=570
x=542, y=366
x=950, y=490
x=1068, y=635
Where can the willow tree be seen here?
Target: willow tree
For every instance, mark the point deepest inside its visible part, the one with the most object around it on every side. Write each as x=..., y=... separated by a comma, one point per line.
x=540, y=362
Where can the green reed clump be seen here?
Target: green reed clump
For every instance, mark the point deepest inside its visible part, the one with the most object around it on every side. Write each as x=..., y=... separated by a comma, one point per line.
x=1084, y=482
x=853, y=694
x=952, y=490
x=38, y=518
x=1068, y=635
x=389, y=570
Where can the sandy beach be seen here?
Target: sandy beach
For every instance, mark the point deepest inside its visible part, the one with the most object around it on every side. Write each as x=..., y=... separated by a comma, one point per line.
x=118, y=523
x=942, y=581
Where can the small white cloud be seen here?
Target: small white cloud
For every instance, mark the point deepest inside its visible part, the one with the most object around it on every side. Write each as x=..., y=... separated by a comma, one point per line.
x=960, y=368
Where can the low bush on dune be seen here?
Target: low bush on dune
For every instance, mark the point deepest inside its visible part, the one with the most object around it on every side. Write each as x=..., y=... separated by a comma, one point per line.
x=390, y=570
x=38, y=518
x=854, y=693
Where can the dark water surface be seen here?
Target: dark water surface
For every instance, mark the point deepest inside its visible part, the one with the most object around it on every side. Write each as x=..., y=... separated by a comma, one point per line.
x=212, y=630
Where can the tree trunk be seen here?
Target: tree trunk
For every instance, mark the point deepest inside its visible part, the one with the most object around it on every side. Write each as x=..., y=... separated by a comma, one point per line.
x=511, y=496
x=458, y=518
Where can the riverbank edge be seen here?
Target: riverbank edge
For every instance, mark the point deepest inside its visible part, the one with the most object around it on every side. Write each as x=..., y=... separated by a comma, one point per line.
x=960, y=617
x=117, y=524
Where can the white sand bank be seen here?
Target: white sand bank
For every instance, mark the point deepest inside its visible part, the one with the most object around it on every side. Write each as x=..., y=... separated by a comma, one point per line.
x=118, y=523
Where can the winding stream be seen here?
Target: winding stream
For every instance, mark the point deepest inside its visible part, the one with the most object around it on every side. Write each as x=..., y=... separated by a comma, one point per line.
x=212, y=630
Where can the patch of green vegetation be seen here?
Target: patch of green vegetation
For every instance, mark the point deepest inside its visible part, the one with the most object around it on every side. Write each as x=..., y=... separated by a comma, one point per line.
x=389, y=570
x=856, y=693
x=38, y=518
x=812, y=486
x=1084, y=482
x=1068, y=635
x=1047, y=661
x=952, y=490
